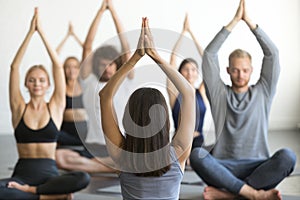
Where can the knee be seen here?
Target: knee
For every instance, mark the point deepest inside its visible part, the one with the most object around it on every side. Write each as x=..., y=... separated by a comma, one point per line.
x=197, y=156
x=84, y=179
x=287, y=157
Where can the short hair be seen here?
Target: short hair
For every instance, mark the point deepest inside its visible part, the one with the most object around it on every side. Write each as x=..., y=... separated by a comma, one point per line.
x=34, y=67
x=105, y=52
x=239, y=53
x=185, y=61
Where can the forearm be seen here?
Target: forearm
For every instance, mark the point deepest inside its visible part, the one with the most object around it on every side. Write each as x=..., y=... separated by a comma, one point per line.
x=87, y=45
x=21, y=51
x=177, y=79
x=52, y=54
x=113, y=84
x=120, y=30
x=232, y=24
x=61, y=44
x=175, y=49
x=198, y=46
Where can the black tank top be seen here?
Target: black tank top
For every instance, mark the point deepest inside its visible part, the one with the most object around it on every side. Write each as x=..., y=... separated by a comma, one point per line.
x=74, y=102
x=24, y=134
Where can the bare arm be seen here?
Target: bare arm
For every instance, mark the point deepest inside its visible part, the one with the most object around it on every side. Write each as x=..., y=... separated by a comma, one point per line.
x=238, y=16
x=88, y=43
x=57, y=101
x=188, y=29
x=171, y=89
x=125, y=51
x=114, y=138
x=62, y=43
x=182, y=141
x=69, y=33
x=86, y=70
x=17, y=102
x=246, y=18
x=72, y=33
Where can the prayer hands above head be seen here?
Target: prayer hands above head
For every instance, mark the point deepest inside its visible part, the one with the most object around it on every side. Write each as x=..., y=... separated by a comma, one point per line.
x=145, y=44
x=186, y=24
x=70, y=30
x=33, y=25
x=109, y=4
x=104, y=6
x=141, y=46
x=149, y=43
x=240, y=11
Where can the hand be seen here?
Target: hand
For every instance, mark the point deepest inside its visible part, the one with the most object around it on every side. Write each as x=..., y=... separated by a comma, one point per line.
x=140, y=47
x=149, y=44
x=240, y=11
x=71, y=30
x=104, y=5
x=33, y=25
x=38, y=24
x=186, y=24
x=246, y=18
x=109, y=4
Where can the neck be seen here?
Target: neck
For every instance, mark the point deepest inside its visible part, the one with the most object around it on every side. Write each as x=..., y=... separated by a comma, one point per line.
x=37, y=102
x=240, y=89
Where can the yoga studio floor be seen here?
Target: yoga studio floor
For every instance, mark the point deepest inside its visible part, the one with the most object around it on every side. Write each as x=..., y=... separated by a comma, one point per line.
x=106, y=186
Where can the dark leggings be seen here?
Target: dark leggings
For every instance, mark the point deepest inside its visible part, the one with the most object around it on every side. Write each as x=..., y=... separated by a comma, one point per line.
x=233, y=174
x=43, y=174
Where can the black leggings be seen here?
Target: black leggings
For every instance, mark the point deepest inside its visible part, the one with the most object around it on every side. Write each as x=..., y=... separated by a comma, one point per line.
x=43, y=174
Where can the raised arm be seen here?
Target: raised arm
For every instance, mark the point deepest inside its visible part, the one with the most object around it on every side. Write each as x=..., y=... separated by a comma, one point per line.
x=238, y=16
x=57, y=101
x=72, y=32
x=114, y=137
x=182, y=140
x=69, y=33
x=88, y=43
x=270, y=66
x=196, y=42
x=171, y=89
x=120, y=30
x=125, y=51
x=17, y=102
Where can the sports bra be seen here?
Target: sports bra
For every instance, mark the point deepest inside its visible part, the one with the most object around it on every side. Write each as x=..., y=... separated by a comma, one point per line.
x=74, y=102
x=200, y=111
x=24, y=134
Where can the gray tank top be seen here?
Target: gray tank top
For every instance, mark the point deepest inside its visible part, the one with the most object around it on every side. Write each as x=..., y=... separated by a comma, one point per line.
x=165, y=187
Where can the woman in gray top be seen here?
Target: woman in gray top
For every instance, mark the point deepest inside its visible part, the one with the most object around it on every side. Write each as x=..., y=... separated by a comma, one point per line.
x=150, y=166
x=241, y=163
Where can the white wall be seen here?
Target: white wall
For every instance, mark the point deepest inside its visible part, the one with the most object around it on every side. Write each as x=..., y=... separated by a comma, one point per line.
x=279, y=18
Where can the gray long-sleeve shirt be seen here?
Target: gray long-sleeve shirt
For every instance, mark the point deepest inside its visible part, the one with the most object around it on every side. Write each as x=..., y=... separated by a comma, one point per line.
x=241, y=120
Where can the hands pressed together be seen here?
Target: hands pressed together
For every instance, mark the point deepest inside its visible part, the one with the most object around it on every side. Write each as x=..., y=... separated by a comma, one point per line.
x=241, y=14
x=145, y=43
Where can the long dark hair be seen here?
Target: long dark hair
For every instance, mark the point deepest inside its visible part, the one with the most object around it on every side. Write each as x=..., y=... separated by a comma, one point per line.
x=185, y=61
x=140, y=121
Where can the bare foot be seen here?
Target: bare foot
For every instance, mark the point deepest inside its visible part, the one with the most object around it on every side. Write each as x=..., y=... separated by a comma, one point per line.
x=57, y=197
x=272, y=194
x=13, y=184
x=70, y=196
x=211, y=193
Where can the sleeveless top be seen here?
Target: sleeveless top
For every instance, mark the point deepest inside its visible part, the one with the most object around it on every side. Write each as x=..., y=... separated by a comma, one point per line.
x=24, y=134
x=74, y=102
x=200, y=111
x=165, y=187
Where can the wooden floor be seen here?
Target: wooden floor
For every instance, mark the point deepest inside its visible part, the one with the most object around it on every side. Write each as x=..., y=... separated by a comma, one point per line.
x=106, y=186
